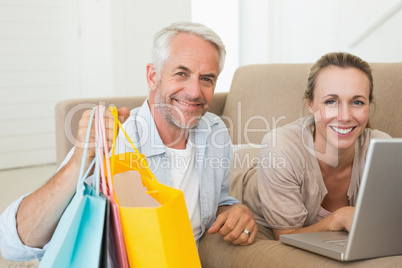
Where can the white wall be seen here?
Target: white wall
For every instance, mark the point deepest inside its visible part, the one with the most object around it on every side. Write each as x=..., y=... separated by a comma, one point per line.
x=116, y=42
x=38, y=67
x=372, y=29
x=302, y=31
x=222, y=17
x=95, y=48
x=255, y=23
x=134, y=24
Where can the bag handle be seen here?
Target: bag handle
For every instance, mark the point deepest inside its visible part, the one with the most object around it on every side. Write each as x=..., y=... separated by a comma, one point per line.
x=118, y=125
x=117, y=122
x=106, y=153
x=100, y=140
x=82, y=176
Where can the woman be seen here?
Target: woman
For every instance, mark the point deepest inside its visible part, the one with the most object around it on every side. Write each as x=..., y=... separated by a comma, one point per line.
x=323, y=155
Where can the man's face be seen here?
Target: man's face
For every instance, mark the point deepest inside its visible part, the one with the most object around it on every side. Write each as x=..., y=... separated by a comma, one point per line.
x=187, y=81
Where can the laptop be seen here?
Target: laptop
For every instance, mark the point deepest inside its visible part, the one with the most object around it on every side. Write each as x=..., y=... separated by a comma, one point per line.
x=376, y=229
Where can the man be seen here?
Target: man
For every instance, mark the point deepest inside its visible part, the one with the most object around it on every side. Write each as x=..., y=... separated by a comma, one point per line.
x=171, y=127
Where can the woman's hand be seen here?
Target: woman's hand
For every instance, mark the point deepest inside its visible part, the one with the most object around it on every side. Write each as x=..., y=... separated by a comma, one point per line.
x=339, y=220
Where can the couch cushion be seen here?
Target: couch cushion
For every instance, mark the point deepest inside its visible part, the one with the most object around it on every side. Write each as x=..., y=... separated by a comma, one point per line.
x=263, y=97
x=387, y=109
x=266, y=252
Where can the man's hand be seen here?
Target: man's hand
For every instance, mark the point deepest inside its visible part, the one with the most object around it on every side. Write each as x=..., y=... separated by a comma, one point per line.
x=40, y=212
x=82, y=131
x=236, y=224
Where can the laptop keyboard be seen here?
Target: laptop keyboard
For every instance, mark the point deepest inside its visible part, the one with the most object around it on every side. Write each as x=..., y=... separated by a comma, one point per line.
x=338, y=242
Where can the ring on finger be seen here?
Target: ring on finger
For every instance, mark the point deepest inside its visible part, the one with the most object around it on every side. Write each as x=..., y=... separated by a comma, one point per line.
x=247, y=232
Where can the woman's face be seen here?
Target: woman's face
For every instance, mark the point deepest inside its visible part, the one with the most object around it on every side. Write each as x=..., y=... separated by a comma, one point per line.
x=340, y=107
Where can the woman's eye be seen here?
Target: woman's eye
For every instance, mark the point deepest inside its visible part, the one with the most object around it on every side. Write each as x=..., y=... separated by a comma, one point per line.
x=358, y=103
x=330, y=102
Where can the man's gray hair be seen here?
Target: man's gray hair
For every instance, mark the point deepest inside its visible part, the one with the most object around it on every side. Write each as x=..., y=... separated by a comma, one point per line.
x=162, y=40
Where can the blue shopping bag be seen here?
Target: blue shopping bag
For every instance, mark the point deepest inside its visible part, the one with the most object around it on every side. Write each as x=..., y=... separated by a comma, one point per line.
x=78, y=237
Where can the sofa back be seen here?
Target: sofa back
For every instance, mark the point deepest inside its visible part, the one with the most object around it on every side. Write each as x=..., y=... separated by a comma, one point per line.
x=261, y=98
x=266, y=96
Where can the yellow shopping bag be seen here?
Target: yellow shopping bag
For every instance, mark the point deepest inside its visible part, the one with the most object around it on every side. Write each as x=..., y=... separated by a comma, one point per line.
x=156, y=227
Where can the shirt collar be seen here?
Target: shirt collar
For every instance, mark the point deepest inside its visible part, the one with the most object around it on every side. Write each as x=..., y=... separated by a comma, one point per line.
x=155, y=145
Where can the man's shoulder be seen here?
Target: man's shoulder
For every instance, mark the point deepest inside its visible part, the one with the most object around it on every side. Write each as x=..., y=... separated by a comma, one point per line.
x=211, y=120
x=138, y=115
x=211, y=129
x=134, y=112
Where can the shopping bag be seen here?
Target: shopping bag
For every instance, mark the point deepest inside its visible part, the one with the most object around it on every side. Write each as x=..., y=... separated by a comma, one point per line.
x=156, y=235
x=100, y=182
x=104, y=255
x=77, y=239
x=113, y=234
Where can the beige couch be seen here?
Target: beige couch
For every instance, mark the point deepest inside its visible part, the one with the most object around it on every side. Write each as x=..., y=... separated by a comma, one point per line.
x=261, y=97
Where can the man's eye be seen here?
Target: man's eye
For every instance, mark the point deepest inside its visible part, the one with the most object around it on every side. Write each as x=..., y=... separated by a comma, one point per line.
x=181, y=73
x=207, y=79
